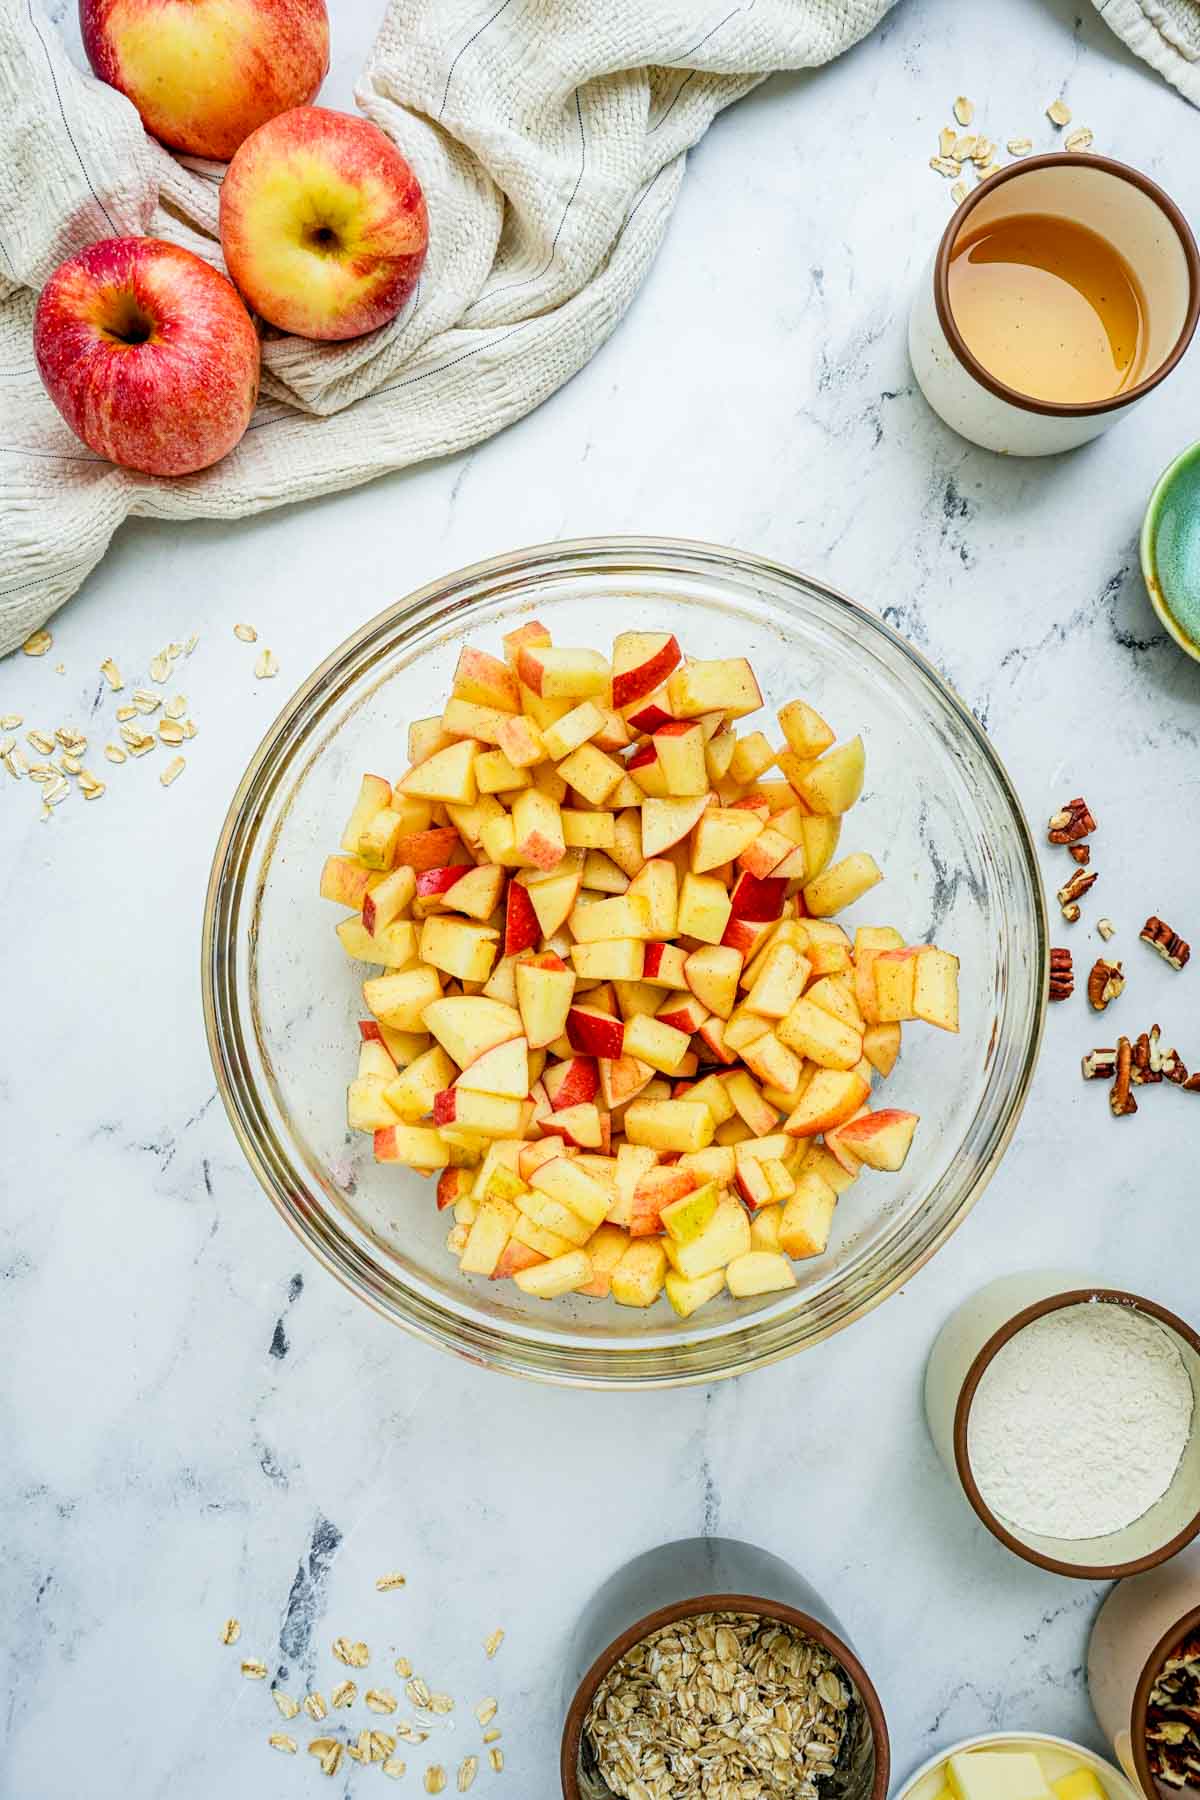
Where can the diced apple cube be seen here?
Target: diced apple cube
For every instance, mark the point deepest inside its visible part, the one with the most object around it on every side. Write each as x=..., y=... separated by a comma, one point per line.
x=935, y=988
x=562, y=1275
x=724, y=685
x=686, y=1296
x=669, y=1124
x=758, y=1272
x=400, y=1000
x=841, y=884
x=654, y=1042
x=417, y=1146
x=808, y=1216
x=638, y=1278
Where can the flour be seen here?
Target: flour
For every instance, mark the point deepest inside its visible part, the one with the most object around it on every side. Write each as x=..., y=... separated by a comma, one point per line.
x=1080, y=1421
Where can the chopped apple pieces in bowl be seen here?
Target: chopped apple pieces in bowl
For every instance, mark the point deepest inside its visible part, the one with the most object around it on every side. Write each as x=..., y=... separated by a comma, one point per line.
x=616, y=1019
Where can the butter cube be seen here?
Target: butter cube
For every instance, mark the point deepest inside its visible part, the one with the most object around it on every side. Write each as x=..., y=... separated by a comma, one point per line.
x=997, y=1775
x=1080, y=1784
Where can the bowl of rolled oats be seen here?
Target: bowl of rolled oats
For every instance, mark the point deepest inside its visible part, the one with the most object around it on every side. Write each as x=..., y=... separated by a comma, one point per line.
x=738, y=1684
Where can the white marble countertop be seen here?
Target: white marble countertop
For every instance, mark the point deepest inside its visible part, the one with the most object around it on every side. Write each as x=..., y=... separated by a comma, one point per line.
x=189, y=1405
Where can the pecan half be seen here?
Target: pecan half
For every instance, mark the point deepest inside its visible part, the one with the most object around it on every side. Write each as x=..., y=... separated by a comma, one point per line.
x=1170, y=946
x=1120, y=1098
x=1104, y=983
x=1100, y=1065
x=1062, y=975
x=1071, y=822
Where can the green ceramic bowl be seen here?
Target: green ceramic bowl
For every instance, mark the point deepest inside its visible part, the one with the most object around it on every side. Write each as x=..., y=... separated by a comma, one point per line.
x=1171, y=550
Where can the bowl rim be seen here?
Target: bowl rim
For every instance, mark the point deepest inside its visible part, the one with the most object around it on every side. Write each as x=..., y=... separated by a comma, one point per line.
x=1183, y=1627
x=756, y=1605
x=1116, y=1571
x=1147, y=539
x=499, y=1348
x=983, y=1738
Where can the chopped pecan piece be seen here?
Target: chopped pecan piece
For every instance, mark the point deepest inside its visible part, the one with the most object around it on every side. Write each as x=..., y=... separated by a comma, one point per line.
x=1170, y=946
x=1106, y=928
x=1141, y=1069
x=1120, y=1098
x=1071, y=914
x=1081, y=853
x=1191, y=1085
x=1100, y=1065
x=1104, y=983
x=1166, y=1063
x=1071, y=823
x=1080, y=883
x=1062, y=975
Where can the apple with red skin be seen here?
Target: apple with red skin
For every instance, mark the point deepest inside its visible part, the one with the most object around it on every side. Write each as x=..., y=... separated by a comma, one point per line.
x=204, y=74
x=595, y=1033
x=571, y=1083
x=650, y=714
x=521, y=930
x=682, y=1011
x=641, y=662
x=148, y=354
x=757, y=897
x=323, y=224
x=432, y=882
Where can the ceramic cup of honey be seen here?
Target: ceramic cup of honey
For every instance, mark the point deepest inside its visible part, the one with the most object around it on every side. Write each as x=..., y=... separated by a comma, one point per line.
x=1065, y=288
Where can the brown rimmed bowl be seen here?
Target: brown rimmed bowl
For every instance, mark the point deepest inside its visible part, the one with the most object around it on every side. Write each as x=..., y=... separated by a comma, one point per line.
x=964, y=1350
x=1118, y=203
x=1137, y=1629
x=700, y=1575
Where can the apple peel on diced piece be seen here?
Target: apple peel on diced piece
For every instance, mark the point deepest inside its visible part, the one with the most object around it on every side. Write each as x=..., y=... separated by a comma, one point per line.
x=617, y=1014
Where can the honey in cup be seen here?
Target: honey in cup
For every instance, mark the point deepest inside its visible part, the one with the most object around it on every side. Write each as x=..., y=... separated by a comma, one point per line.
x=1049, y=307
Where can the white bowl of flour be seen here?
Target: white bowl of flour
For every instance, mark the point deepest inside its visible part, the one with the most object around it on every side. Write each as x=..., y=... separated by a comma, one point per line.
x=1070, y=1415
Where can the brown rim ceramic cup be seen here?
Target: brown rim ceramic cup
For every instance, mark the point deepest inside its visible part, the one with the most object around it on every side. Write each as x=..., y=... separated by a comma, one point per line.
x=700, y=1575
x=1146, y=227
x=964, y=1350
x=1137, y=1628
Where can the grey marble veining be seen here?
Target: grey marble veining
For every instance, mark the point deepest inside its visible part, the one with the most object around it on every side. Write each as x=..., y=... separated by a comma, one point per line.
x=197, y=1421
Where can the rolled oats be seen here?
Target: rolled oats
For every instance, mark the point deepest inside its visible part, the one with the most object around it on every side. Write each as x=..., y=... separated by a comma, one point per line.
x=254, y=1669
x=231, y=1631
x=314, y=1706
x=288, y=1707
x=486, y=1711
x=266, y=665
x=176, y=706
x=385, y=1583
x=496, y=1758
x=468, y=1768
x=1079, y=140
x=114, y=753
x=1058, y=113
x=492, y=1644
x=964, y=110
x=403, y=1667
x=328, y=1751
x=344, y=1694
x=435, y=1778
x=380, y=1700
x=394, y=1768
x=112, y=674
x=724, y=1704
x=417, y=1691
x=279, y=1740
x=37, y=643
x=355, y=1656
x=246, y=633
x=173, y=771
x=11, y=721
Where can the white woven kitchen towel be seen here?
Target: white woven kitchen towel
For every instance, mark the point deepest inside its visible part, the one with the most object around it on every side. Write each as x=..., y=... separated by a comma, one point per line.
x=550, y=138
x=1164, y=33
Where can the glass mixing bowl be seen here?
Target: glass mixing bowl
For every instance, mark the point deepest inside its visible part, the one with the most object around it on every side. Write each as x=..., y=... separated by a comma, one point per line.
x=281, y=999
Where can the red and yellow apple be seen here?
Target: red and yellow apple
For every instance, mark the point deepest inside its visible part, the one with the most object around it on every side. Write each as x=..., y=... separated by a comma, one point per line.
x=148, y=354
x=323, y=224
x=204, y=74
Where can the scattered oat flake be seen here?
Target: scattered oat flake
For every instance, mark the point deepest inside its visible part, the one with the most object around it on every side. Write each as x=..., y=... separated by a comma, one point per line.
x=11, y=721
x=170, y=731
x=1058, y=113
x=983, y=152
x=964, y=110
x=328, y=1751
x=125, y=713
x=944, y=165
x=114, y=753
x=112, y=674
x=385, y=1583
x=403, y=1667
x=160, y=668
x=145, y=701
x=279, y=1740
x=496, y=1758
x=266, y=666
x=246, y=633
x=1020, y=146
x=486, y=1711
x=90, y=788
x=394, y=1768
x=947, y=137
x=361, y=1751
x=191, y=643
x=189, y=728
x=173, y=771
x=314, y=1706
x=176, y=707
x=492, y=1737
x=14, y=762
x=408, y=1734
x=958, y=192
x=441, y=1704
x=344, y=1694
x=60, y=668
x=231, y=1631
x=963, y=148
x=42, y=744
x=380, y=1700
x=37, y=643
x=355, y=1656
x=468, y=1768
x=1079, y=140
x=493, y=1643
x=382, y=1745
x=253, y=1669
x=284, y=1701
x=435, y=1778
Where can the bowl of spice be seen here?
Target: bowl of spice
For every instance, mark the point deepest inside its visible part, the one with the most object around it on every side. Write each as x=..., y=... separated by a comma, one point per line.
x=1068, y=1414
x=709, y=1667
x=1144, y=1675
